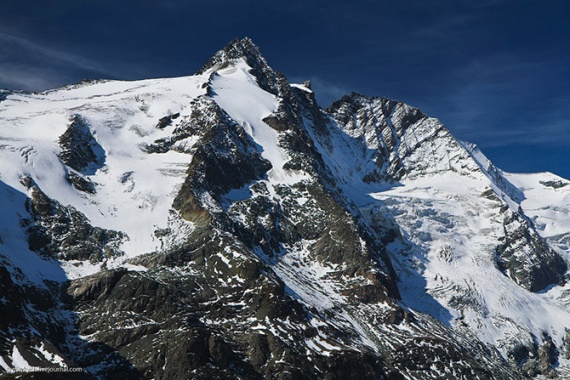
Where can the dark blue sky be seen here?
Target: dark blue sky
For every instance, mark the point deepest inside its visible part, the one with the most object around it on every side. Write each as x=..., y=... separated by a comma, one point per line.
x=496, y=72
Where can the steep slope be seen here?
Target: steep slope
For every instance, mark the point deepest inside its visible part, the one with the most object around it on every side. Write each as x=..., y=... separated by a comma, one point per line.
x=462, y=235
x=223, y=225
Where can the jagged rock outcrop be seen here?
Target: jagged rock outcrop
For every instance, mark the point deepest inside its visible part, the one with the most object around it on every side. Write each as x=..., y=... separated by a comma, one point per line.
x=526, y=258
x=63, y=233
x=244, y=49
x=4, y=94
x=79, y=149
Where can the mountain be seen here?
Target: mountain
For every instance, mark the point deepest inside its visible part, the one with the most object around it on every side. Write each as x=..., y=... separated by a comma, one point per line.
x=224, y=225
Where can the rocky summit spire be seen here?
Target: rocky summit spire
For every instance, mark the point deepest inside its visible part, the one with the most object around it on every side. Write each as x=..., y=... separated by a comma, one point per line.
x=246, y=50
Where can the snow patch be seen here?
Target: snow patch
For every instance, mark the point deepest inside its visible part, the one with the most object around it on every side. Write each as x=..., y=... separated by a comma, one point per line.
x=249, y=109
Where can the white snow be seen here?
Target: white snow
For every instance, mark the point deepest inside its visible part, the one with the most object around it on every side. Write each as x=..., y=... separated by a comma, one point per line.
x=4, y=365
x=14, y=243
x=237, y=92
x=51, y=357
x=307, y=279
x=135, y=189
x=302, y=87
x=548, y=206
x=450, y=233
x=18, y=361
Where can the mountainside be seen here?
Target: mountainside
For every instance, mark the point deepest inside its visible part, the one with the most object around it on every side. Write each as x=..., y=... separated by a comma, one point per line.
x=223, y=225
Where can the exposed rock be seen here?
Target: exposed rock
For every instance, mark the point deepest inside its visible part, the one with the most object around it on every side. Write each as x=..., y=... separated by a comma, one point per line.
x=554, y=184
x=79, y=149
x=244, y=49
x=4, y=94
x=226, y=159
x=526, y=257
x=166, y=120
x=64, y=233
x=81, y=183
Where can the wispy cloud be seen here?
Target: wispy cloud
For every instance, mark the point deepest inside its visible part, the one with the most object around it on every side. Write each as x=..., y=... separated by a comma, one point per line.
x=54, y=54
x=28, y=65
x=504, y=99
x=327, y=92
x=27, y=78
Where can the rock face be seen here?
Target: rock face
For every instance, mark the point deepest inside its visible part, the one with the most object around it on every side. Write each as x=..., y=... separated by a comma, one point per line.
x=526, y=258
x=79, y=149
x=245, y=50
x=225, y=226
x=63, y=233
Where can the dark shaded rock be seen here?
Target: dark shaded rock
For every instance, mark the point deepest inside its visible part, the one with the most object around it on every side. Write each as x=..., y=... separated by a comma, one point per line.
x=244, y=49
x=164, y=122
x=547, y=357
x=12, y=310
x=167, y=120
x=4, y=94
x=79, y=149
x=534, y=359
x=226, y=158
x=277, y=123
x=355, y=365
x=534, y=268
x=64, y=233
x=27, y=181
x=81, y=183
x=159, y=146
x=93, y=287
x=555, y=184
x=34, y=317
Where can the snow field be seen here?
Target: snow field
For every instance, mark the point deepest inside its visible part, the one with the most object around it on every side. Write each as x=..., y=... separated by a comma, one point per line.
x=135, y=189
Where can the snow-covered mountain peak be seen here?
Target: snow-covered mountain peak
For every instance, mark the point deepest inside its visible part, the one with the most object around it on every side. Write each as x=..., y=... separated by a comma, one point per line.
x=236, y=49
x=244, y=50
x=394, y=140
x=361, y=240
